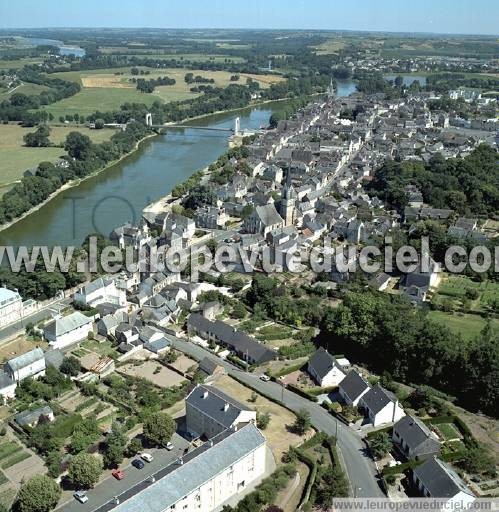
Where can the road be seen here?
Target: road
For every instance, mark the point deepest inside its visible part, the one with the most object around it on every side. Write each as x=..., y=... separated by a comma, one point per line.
x=360, y=467
x=9, y=331
x=105, y=491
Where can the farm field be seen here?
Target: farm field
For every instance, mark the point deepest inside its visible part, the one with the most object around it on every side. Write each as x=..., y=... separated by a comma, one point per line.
x=331, y=46
x=16, y=158
x=108, y=89
x=467, y=325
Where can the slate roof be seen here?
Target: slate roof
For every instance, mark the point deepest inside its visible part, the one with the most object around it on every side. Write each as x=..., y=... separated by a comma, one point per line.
x=54, y=357
x=322, y=362
x=439, y=479
x=413, y=431
x=238, y=341
x=95, y=285
x=61, y=326
x=199, y=466
x=208, y=365
x=377, y=398
x=5, y=380
x=212, y=403
x=19, y=362
x=268, y=215
x=157, y=345
x=353, y=385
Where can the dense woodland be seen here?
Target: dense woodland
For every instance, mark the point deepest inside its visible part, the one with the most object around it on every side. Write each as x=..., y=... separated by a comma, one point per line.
x=470, y=186
x=388, y=334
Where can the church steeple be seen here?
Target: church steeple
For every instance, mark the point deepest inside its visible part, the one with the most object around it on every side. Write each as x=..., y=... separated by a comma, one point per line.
x=288, y=199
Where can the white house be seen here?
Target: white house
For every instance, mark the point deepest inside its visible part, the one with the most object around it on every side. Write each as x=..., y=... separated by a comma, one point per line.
x=435, y=479
x=31, y=364
x=67, y=330
x=99, y=291
x=381, y=406
x=207, y=477
x=325, y=369
x=352, y=388
x=7, y=387
x=210, y=411
x=11, y=306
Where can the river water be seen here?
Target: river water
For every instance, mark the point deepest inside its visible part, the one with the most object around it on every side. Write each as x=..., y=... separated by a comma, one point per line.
x=119, y=194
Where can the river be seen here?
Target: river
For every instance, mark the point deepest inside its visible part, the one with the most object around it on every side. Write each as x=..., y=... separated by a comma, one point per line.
x=119, y=194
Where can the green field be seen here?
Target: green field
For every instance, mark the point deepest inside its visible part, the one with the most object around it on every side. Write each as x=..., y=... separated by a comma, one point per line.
x=460, y=289
x=467, y=325
x=98, y=98
x=27, y=89
x=108, y=89
x=16, y=64
x=16, y=158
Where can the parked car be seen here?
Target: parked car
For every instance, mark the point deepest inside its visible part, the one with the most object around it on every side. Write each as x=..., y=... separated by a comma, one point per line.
x=169, y=446
x=147, y=457
x=264, y=377
x=81, y=496
x=137, y=463
x=118, y=474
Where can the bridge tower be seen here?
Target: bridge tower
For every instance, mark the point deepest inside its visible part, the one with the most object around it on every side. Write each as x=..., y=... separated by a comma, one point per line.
x=237, y=126
x=148, y=119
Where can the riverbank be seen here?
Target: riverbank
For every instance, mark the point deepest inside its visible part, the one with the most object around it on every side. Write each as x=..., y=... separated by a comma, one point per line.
x=74, y=183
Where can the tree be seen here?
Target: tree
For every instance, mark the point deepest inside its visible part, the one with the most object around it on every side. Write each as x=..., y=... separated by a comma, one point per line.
x=115, y=446
x=262, y=420
x=39, y=494
x=302, y=422
x=84, y=435
x=38, y=138
x=380, y=444
x=71, y=366
x=159, y=428
x=99, y=124
x=78, y=145
x=134, y=447
x=84, y=470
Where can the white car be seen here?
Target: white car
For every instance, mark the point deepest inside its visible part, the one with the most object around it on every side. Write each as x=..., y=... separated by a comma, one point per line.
x=81, y=496
x=169, y=446
x=147, y=457
x=264, y=377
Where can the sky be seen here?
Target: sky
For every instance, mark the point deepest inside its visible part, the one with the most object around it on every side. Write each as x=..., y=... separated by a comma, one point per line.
x=438, y=16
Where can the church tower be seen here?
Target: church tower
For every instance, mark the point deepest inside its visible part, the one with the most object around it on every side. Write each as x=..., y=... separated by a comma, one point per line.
x=288, y=201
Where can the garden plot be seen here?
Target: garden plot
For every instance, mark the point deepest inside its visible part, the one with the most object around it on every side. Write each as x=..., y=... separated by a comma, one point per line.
x=154, y=373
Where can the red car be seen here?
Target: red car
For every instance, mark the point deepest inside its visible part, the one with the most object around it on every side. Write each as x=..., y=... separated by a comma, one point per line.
x=118, y=474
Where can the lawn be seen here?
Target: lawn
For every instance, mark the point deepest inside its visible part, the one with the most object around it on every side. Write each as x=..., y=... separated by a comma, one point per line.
x=468, y=325
x=16, y=158
x=448, y=431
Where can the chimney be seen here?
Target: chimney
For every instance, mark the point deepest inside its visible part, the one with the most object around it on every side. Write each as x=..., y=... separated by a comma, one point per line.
x=395, y=404
x=226, y=407
x=205, y=394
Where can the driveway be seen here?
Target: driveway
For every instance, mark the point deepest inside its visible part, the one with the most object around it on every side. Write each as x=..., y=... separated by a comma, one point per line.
x=360, y=467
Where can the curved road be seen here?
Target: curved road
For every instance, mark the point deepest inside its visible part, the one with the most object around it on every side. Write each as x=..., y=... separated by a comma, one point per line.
x=360, y=467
